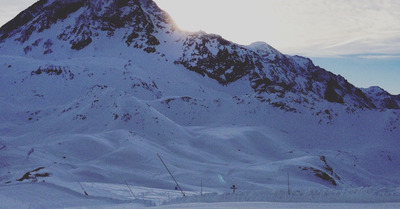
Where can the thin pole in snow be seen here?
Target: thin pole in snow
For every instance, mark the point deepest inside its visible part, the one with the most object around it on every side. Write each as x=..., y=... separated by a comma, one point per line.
x=130, y=190
x=170, y=174
x=288, y=184
x=201, y=186
x=83, y=188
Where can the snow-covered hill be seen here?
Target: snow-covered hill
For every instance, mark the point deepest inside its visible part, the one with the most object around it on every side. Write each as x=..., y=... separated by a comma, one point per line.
x=93, y=90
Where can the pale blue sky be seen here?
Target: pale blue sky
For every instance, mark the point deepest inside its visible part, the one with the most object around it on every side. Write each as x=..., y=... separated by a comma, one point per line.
x=359, y=39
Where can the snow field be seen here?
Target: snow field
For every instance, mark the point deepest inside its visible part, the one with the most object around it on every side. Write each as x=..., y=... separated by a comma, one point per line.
x=258, y=205
x=279, y=205
x=117, y=196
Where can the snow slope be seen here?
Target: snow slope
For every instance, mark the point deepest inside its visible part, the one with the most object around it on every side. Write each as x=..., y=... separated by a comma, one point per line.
x=90, y=96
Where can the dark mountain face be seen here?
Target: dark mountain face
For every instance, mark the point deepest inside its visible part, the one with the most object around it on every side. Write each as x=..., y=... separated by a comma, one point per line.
x=217, y=58
x=269, y=71
x=90, y=18
x=142, y=22
x=38, y=17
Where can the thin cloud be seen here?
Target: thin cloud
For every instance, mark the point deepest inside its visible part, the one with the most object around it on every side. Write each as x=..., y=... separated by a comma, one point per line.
x=305, y=27
x=380, y=56
x=349, y=27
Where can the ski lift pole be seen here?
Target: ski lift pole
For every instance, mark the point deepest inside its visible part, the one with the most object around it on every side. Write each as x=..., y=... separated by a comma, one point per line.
x=83, y=188
x=171, y=174
x=130, y=189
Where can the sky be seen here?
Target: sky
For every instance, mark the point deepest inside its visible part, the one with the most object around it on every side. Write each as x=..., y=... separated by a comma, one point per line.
x=358, y=39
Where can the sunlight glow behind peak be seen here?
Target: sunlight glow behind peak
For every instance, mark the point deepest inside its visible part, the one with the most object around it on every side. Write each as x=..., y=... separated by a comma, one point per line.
x=359, y=39
x=307, y=27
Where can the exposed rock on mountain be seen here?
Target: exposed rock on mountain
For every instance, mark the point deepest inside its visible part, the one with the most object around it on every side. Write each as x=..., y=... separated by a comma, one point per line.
x=382, y=99
x=82, y=21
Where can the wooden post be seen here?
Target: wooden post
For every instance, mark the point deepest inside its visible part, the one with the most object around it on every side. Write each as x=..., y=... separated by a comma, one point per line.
x=233, y=187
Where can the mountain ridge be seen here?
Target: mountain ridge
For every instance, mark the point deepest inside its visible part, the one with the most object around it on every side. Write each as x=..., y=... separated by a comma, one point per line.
x=205, y=54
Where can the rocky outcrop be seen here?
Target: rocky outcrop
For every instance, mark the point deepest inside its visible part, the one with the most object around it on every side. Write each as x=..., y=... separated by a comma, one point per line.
x=382, y=99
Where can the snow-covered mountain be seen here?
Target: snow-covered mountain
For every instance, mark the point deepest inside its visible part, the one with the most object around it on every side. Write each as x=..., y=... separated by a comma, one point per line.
x=382, y=98
x=92, y=90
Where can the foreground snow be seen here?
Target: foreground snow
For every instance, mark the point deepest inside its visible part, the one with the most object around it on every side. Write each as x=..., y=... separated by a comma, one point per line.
x=262, y=205
x=279, y=205
x=115, y=196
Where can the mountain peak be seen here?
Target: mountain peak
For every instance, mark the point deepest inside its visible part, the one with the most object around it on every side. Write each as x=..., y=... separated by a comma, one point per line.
x=265, y=50
x=381, y=98
x=79, y=23
x=374, y=89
